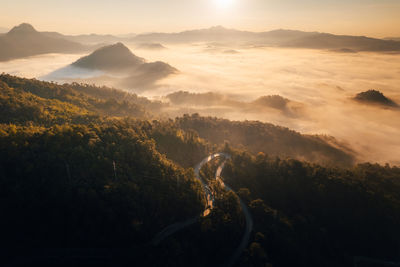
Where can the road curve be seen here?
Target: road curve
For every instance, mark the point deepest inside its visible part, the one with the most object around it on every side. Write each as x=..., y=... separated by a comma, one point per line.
x=173, y=228
x=170, y=230
x=249, y=219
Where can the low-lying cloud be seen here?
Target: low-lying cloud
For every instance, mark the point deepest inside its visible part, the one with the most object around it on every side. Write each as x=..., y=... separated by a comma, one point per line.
x=319, y=86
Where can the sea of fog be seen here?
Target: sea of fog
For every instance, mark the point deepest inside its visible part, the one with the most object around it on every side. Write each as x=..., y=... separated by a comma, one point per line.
x=321, y=83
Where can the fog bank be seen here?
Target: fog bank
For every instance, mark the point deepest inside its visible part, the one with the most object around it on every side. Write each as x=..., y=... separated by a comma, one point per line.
x=320, y=83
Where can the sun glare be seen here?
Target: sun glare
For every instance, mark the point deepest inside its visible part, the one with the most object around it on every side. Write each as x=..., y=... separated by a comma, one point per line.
x=223, y=3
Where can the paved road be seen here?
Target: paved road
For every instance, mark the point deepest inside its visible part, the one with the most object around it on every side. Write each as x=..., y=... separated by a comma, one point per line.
x=168, y=231
x=173, y=228
x=249, y=219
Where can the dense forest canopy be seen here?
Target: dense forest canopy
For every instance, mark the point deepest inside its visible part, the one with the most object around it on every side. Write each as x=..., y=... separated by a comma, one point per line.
x=93, y=167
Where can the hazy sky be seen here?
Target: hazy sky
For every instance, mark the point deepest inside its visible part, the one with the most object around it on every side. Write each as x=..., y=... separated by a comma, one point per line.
x=361, y=17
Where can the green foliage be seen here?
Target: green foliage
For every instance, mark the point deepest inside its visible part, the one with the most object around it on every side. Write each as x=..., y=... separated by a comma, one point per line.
x=30, y=100
x=258, y=137
x=84, y=166
x=70, y=171
x=330, y=214
x=184, y=147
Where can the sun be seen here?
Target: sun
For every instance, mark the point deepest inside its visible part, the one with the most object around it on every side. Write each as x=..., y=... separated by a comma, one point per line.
x=224, y=3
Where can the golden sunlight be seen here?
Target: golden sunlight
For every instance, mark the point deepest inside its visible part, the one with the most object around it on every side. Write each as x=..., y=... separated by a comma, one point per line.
x=224, y=3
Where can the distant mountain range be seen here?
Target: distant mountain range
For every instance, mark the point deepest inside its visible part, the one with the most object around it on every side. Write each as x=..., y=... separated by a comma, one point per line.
x=150, y=46
x=279, y=38
x=115, y=64
x=87, y=38
x=3, y=30
x=23, y=41
x=393, y=38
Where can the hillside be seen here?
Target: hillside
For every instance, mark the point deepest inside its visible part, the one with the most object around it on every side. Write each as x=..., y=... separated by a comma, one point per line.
x=92, y=174
x=338, y=214
x=270, y=139
x=77, y=103
x=24, y=41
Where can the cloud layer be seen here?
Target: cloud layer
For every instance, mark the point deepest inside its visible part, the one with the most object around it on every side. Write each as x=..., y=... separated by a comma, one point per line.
x=321, y=84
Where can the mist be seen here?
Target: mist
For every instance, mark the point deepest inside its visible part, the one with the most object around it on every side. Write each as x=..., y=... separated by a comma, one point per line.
x=322, y=89
x=317, y=87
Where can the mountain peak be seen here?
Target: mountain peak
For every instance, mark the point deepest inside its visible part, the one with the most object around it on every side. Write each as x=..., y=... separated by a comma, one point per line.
x=218, y=28
x=23, y=28
x=115, y=56
x=119, y=48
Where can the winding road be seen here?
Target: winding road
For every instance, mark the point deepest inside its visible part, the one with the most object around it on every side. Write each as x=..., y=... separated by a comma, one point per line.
x=170, y=230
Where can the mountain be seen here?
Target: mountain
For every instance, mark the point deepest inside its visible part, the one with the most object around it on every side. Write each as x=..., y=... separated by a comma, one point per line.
x=151, y=46
x=280, y=38
x=393, y=38
x=331, y=41
x=23, y=41
x=3, y=30
x=148, y=73
x=110, y=58
x=214, y=34
x=375, y=97
x=87, y=38
x=274, y=101
x=116, y=65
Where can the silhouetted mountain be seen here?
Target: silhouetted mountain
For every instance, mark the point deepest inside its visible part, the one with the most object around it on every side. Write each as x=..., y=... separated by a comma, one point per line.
x=3, y=30
x=280, y=38
x=393, y=38
x=214, y=34
x=114, y=64
x=330, y=41
x=273, y=101
x=375, y=97
x=343, y=50
x=23, y=41
x=110, y=58
x=231, y=52
x=148, y=73
x=23, y=28
x=151, y=46
x=86, y=38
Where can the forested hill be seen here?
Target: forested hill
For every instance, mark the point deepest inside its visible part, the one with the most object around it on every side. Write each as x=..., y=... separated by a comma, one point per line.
x=270, y=139
x=29, y=101
x=91, y=174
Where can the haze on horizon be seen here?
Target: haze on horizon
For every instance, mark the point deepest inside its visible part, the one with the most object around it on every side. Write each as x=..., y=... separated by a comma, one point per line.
x=376, y=18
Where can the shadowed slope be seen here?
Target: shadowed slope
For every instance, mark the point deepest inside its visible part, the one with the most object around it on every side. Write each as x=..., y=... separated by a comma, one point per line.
x=23, y=41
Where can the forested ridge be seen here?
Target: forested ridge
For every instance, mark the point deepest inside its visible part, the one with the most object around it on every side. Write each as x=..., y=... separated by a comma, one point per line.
x=102, y=171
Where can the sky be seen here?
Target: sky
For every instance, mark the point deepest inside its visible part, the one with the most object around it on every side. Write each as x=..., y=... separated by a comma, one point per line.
x=377, y=18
